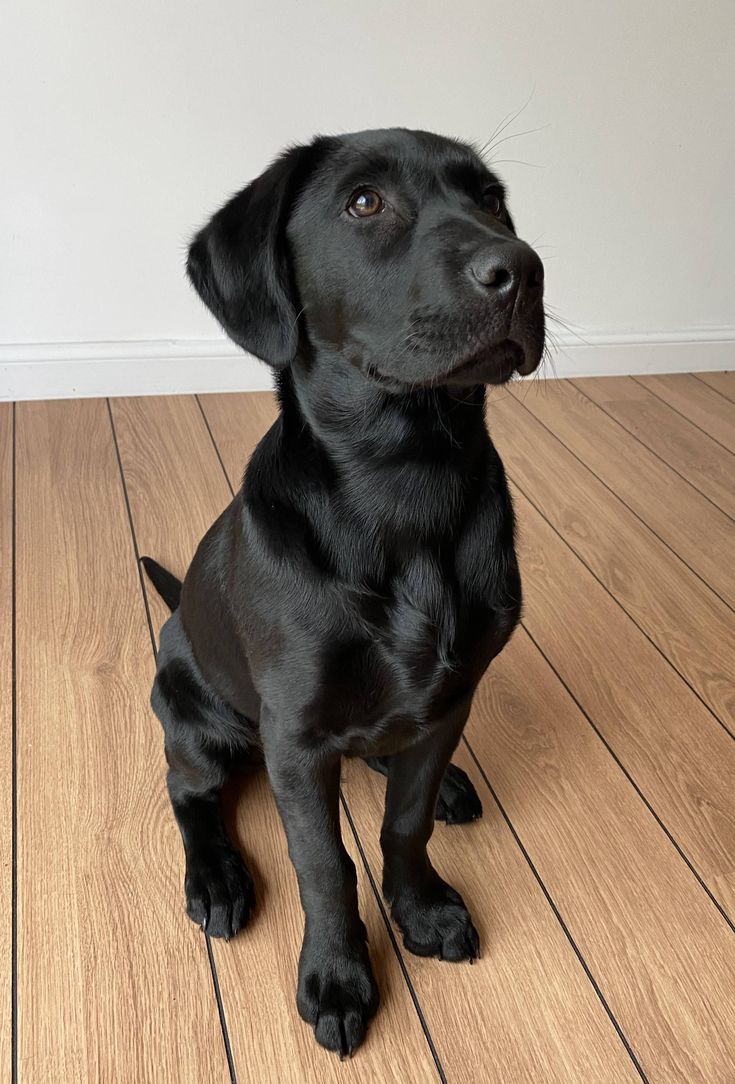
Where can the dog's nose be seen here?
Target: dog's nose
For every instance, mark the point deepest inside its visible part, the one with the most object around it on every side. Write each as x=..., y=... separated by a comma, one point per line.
x=507, y=271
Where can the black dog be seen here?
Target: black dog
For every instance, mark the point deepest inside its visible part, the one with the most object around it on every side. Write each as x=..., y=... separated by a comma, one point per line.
x=350, y=598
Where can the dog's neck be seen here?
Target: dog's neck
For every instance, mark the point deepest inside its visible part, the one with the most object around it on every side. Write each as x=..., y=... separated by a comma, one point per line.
x=358, y=421
x=408, y=461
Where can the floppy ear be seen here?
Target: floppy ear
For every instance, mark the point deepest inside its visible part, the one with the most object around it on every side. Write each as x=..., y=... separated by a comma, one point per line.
x=239, y=262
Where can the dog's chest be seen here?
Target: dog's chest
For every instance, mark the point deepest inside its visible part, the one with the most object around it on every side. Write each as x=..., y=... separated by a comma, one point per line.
x=413, y=612
x=413, y=651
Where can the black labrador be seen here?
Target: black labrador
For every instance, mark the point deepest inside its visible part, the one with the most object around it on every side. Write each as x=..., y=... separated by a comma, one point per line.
x=352, y=595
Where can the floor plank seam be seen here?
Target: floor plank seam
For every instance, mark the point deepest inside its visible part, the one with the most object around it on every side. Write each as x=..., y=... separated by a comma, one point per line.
x=659, y=821
x=220, y=1009
x=657, y=455
x=618, y=603
x=13, y=769
x=722, y=394
x=557, y=914
x=616, y=890
x=214, y=444
x=632, y=511
x=394, y=942
x=684, y=416
x=136, y=551
x=378, y=897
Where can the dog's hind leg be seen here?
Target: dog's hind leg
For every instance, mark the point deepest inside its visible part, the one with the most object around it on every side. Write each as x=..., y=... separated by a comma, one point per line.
x=204, y=740
x=218, y=886
x=458, y=801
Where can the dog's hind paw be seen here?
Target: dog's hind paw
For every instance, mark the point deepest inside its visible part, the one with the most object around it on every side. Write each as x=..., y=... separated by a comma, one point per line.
x=437, y=923
x=220, y=895
x=458, y=801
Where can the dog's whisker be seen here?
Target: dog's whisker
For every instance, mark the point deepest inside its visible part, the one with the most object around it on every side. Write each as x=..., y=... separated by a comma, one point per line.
x=488, y=150
x=516, y=162
x=511, y=117
x=551, y=315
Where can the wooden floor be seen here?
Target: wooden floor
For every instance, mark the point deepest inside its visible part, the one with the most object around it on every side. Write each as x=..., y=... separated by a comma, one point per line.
x=602, y=875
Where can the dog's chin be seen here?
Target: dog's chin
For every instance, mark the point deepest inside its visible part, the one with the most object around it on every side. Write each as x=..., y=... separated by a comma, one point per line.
x=481, y=363
x=494, y=364
x=491, y=364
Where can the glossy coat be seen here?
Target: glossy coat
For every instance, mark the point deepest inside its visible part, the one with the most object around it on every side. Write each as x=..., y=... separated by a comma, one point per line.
x=351, y=596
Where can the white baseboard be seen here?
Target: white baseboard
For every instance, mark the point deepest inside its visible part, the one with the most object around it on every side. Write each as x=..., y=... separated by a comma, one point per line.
x=151, y=367
x=169, y=367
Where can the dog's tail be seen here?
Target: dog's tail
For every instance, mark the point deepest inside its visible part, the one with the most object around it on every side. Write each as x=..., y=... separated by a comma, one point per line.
x=168, y=587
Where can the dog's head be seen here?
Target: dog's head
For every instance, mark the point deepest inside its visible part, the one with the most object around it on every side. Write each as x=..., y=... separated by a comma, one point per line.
x=393, y=249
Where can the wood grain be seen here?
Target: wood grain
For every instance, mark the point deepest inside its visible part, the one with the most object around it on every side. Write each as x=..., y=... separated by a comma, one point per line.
x=682, y=760
x=697, y=402
x=113, y=979
x=698, y=458
x=525, y=1010
x=494, y=1021
x=6, y=733
x=238, y=421
x=672, y=508
x=533, y=740
x=689, y=624
x=177, y=488
x=662, y=954
x=724, y=383
x=110, y=986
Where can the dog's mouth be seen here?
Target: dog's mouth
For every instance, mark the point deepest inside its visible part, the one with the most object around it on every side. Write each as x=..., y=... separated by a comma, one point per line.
x=482, y=363
x=490, y=364
x=441, y=354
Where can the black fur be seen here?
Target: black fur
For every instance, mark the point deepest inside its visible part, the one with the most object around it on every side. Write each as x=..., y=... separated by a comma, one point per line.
x=168, y=587
x=350, y=598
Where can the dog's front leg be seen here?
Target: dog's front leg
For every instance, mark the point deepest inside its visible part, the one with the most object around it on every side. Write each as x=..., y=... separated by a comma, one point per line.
x=431, y=914
x=336, y=992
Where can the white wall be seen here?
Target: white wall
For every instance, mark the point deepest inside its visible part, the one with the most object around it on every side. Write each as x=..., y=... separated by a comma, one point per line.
x=125, y=123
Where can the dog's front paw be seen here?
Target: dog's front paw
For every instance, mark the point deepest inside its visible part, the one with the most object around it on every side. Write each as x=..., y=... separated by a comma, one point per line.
x=337, y=994
x=458, y=801
x=219, y=892
x=435, y=922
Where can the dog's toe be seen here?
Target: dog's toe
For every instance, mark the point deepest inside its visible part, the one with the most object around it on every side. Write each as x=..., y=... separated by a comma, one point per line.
x=220, y=895
x=458, y=801
x=451, y=937
x=341, y=1031
x=337, y=996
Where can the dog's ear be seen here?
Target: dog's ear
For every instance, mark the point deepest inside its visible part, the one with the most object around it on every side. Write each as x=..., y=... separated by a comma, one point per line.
x=239, y=263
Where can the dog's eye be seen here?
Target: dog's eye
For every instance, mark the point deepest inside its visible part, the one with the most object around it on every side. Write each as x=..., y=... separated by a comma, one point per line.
x=491, y=201
x=365, y=203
